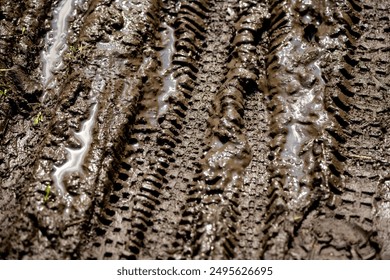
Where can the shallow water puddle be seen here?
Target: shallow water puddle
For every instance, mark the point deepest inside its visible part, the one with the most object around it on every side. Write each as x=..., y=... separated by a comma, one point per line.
x=169, y=82
x=156, y=98
x=304, y=110
x=55, y=43
x=76, y=156
x=128, y=4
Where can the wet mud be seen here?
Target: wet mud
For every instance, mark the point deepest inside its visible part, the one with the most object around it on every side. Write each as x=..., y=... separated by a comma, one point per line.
x=161, y=129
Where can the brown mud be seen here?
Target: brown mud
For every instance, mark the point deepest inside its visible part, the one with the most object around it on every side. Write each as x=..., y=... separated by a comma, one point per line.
x=161, y=129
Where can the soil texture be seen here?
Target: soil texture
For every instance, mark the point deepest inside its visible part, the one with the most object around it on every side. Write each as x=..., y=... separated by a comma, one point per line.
x=194, y=129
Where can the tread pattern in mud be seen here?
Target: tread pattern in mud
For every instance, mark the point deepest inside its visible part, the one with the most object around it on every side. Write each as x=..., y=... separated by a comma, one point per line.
x=194, y=129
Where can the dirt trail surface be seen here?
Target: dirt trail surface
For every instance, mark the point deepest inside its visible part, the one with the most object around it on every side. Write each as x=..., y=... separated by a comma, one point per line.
x=158, y=129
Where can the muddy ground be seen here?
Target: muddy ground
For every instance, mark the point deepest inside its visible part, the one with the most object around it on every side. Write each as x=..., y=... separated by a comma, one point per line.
x=159, y=129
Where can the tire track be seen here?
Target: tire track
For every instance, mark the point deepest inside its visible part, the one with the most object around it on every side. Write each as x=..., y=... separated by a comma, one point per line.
x=159, y=121
x=60, y=221
x=350, y=203
x=353, y=200
x=369, y=145
x=188, y=31
x=253, y=197
x=176, y=102
x=213, y=202
x=305, y=169
x=192, y=146
x=194, y=129
x=130, y=48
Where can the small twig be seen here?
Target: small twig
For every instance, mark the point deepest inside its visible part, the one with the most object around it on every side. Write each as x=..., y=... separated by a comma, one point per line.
x=367, y=158
x=75, y=223
x=361, y=157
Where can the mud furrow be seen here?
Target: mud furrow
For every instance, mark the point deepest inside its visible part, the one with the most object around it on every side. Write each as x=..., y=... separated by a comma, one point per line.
x=172, y=109
x=21, y=32
x=214, y=198
x=351, y=202
x=33, y=193
x=306, y=171
x=65, y=152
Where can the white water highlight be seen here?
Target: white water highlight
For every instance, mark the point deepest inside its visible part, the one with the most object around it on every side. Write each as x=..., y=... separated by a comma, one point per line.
x=76, y=156
x=304, y=110
x=169, y=82
x=56, y=42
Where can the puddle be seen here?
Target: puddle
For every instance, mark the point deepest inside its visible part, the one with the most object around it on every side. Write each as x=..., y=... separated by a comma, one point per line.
x=128, y=4
x=56, y=40
x=76, y=156
x=156, y=98
x=169, y=82
x=304, y=110
x=294, y=142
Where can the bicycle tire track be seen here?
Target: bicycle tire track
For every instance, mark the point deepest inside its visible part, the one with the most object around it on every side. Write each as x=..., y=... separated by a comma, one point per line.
x=159, y=122
x=368, y=148
x=130, y=48
x=214, y=199
x=194, y=129
x=253, y=197
x=188, y=29
x=349, y=204
x=193, y=146
x=305, y=170
x=61, y=220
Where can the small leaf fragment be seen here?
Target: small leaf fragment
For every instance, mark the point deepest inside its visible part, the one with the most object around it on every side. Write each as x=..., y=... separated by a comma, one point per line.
x=47, y=193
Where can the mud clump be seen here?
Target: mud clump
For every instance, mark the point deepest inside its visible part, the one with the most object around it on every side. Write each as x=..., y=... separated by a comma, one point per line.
x=205, y=129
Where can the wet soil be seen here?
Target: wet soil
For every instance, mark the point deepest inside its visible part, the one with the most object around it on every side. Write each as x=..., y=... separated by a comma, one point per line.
x=208, y=129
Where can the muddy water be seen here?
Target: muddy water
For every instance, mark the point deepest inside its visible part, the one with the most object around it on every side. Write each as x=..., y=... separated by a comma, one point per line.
x=162, y=86
x=56, y=41
x=169, y=83
x=304, y=111
x=195, y=130
x=75, y=158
